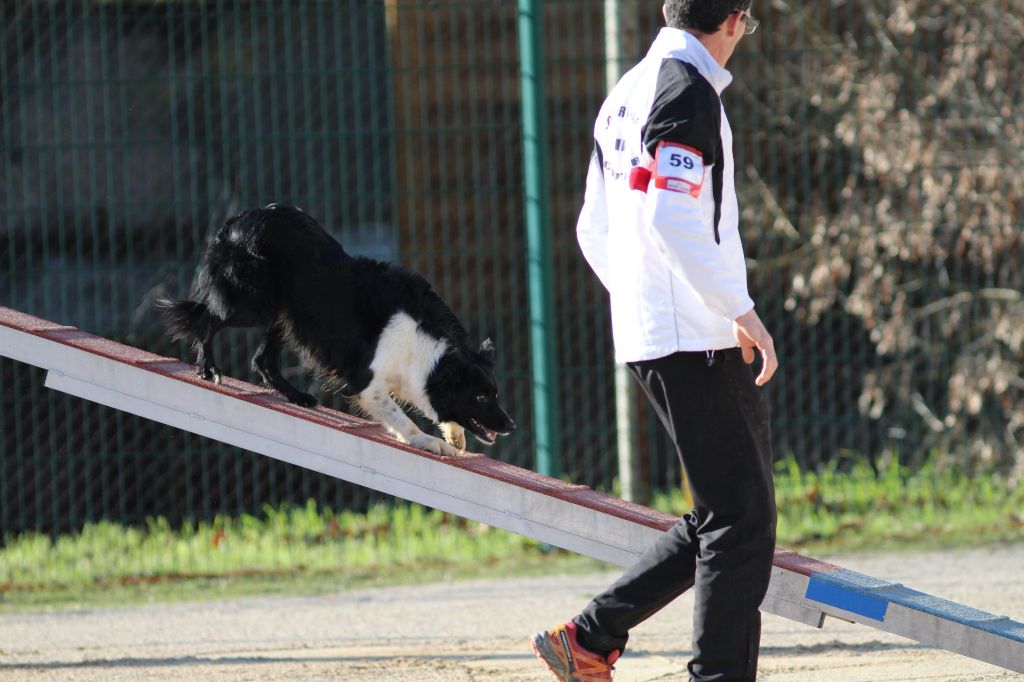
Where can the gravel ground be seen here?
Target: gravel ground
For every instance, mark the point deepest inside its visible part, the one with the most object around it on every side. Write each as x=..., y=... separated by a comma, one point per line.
x=479, y=631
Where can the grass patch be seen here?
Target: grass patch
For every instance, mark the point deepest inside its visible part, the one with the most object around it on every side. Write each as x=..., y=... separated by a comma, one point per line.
x=856, y=510
x=309, y=550
x=291, y=550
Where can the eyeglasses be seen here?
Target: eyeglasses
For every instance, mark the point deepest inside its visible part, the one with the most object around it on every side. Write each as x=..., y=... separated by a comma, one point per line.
x=752, y=23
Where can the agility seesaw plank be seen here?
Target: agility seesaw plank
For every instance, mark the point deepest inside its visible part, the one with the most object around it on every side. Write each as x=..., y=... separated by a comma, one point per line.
x=486, y=490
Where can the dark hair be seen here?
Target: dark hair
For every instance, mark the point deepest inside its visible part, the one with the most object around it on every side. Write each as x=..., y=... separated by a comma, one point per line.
x=702, y=15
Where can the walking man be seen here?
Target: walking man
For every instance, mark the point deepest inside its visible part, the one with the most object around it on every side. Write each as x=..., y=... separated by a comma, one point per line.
x=659, y=227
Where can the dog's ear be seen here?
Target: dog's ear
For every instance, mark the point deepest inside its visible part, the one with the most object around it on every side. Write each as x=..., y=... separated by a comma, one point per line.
x=487, y=351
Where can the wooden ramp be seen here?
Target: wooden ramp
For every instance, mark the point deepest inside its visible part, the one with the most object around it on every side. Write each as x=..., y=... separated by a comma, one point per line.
x=476, y=487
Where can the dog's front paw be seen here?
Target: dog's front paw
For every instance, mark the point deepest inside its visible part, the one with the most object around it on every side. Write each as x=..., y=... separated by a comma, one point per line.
x=454, y=434
x=303, y=399
x=435, y=445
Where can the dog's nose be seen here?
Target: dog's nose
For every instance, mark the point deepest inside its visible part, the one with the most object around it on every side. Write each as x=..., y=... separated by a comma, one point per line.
x=510, y=426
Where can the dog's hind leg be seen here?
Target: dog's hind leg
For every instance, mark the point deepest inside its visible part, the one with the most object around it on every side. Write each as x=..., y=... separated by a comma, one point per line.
x=265, y=363
x=206, y=366
x=193, y=321
x=376, y=402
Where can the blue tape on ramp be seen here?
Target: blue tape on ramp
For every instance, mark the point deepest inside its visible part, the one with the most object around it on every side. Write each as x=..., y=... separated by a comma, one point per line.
x=847, y=599
x=957, y=613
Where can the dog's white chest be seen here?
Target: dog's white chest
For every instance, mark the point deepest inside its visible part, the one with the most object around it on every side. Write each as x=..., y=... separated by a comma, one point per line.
x=403, y=360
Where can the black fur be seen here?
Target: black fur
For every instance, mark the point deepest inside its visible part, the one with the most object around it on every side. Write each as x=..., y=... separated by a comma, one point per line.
x=276, y=268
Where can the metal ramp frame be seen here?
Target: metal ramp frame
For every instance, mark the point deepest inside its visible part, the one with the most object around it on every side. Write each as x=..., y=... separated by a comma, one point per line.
x=573, y=517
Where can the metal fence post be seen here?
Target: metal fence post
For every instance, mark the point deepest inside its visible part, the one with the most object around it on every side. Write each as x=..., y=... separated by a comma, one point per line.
x=538, y=242
x=620, y=32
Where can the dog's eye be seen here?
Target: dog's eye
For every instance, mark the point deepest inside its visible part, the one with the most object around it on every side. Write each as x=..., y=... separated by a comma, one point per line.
x=482, y=398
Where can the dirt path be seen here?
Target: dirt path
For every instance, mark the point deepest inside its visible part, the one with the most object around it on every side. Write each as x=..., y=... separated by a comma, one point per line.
x=478, y=631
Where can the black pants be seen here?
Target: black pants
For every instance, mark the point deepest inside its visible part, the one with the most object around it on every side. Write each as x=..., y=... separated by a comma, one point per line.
x=724, y=547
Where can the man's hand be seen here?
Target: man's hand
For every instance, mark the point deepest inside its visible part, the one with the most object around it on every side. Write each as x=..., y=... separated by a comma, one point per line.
x=751, y=334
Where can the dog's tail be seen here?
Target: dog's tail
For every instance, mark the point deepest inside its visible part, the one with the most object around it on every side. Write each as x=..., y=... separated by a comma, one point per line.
x=184, y=319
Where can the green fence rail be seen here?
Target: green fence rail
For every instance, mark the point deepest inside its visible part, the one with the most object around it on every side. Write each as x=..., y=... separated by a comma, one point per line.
x=880, y=157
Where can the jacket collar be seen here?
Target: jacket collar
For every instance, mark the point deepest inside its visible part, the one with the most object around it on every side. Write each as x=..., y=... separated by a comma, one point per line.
x=678, y=44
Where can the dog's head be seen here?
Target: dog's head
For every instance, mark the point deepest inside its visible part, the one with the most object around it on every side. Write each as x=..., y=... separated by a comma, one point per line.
x=463, y=389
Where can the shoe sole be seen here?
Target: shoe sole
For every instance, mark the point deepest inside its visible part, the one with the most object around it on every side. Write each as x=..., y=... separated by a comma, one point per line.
x=542, y=647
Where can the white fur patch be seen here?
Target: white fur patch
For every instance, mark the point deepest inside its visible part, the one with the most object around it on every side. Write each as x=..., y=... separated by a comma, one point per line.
x=403, y=360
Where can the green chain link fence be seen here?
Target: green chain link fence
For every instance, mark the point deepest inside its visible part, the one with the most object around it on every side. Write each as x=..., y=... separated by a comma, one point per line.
x=880, y=157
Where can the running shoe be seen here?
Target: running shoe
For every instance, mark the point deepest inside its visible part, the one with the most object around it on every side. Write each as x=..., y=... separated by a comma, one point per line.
x=567, y=660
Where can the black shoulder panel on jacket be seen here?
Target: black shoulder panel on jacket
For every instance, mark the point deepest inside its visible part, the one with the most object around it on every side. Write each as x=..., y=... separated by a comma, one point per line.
x=686, y=110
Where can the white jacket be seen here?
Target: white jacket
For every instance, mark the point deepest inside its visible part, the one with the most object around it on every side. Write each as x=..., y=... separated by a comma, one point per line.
x=676, y=279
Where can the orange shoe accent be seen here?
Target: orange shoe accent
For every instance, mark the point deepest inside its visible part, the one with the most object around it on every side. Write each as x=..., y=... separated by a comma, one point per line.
x=567, y=660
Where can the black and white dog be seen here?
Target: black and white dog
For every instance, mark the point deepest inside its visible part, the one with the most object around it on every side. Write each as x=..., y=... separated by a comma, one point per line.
x=376, y=328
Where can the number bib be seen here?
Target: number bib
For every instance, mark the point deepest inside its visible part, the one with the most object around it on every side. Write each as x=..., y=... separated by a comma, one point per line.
x=678, y=168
